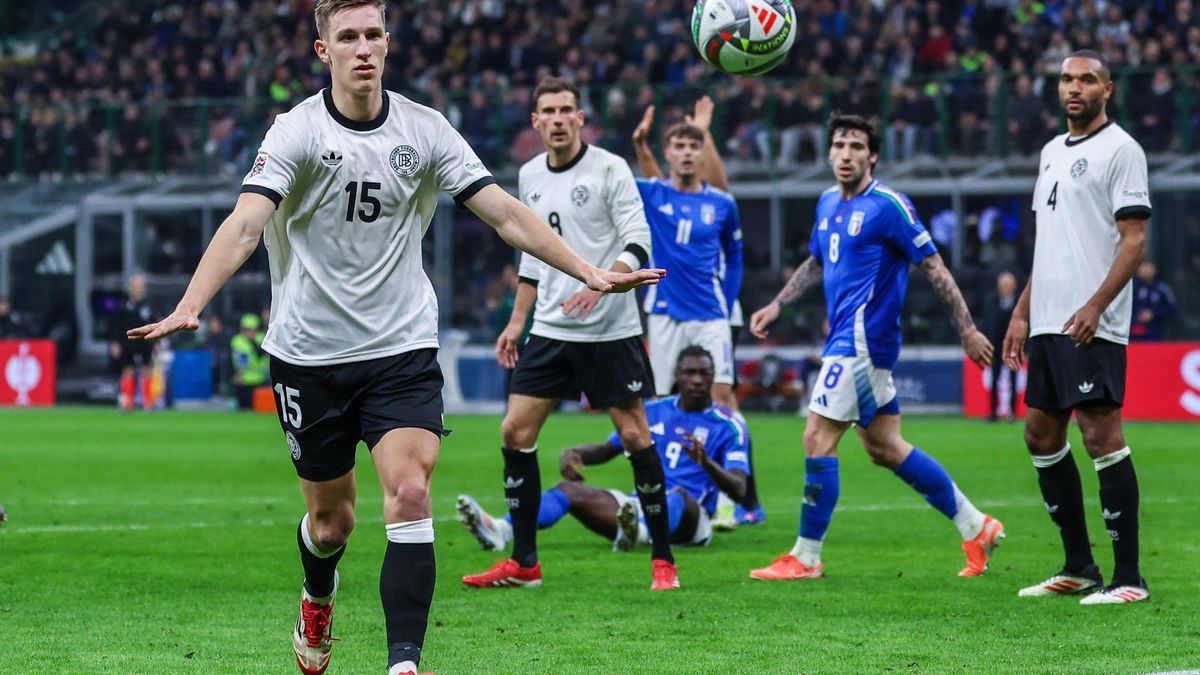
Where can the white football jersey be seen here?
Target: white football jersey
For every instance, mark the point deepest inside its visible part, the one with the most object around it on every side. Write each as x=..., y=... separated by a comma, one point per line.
x=1084, y=187
x=354, y=200
x=594, y=203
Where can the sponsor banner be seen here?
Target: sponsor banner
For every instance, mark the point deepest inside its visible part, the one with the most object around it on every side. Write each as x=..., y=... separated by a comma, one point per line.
x=1162, y=382
x=29, y=375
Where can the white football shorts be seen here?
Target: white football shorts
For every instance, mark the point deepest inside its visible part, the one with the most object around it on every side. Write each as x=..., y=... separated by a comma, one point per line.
x=668, y=337
x=852, y=389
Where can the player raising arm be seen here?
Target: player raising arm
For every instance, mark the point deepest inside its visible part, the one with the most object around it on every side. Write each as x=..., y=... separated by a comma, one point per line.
x=343, y=190
x=865, y=237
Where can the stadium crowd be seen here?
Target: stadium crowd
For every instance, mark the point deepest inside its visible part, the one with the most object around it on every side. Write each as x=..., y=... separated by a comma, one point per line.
x=114, y=90
x=190, y=86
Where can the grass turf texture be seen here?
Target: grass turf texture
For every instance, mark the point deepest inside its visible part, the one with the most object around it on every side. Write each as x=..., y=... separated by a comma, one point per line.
x=166, y=543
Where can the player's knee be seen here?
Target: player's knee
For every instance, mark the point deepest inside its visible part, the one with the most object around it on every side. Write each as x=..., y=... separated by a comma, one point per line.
x=409, y=500
x=1040, y=442
x=517, y=434
x=816, y=445
x=333, y=530
x=569, y=488
x=1100, y=442
x=884, y=454
x=632, y=437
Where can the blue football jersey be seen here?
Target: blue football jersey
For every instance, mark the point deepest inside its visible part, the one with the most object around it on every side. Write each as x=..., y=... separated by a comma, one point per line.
x=865, y=245
x=725, y=439
x=697, y=238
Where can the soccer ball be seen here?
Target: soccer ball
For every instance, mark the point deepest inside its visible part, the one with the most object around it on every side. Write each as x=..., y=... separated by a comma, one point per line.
x=744, y=37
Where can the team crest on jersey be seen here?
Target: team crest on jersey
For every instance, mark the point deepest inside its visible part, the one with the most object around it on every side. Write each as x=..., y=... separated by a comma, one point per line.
x=404, y=160
x=1079, y=168
x=708, y=214
x=332, y=159
x=260, y=165
x=856, y=223
x=579, y=195
x=293, y=444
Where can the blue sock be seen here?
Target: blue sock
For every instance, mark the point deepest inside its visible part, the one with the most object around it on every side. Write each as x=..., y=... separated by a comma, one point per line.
x=553, y=508
x=675, y=507
x=928, y=477
x=821, y=488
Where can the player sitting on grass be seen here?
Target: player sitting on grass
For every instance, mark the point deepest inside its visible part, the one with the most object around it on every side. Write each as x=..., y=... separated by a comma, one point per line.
x=703, y=451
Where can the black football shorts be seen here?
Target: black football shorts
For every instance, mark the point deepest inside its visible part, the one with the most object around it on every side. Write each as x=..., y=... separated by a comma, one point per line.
x=607, y=372
x=1063, y=376
x=326, y=410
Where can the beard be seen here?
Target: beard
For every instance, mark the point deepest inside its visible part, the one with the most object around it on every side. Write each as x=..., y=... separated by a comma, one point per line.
x=1088, y=112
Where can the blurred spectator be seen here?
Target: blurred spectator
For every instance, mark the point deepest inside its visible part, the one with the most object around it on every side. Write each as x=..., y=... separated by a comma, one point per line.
x=911, y=125
x=217, y=341
x=250, y=362
x=1155, y=111
x=1153, y=304
x=997, y=312
x=11, y=325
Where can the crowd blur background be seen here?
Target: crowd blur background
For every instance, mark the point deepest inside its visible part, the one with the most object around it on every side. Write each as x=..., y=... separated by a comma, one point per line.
x=124, y=92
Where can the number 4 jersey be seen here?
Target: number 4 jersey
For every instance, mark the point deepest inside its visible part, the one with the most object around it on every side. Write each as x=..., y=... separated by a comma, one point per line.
x=1084, y=186
x=353, y=201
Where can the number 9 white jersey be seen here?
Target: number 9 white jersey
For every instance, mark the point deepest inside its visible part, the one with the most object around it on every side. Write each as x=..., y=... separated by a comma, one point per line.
x=354, y=200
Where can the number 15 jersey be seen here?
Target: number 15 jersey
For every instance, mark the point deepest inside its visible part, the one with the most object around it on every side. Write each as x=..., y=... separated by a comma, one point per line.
x=353, y=201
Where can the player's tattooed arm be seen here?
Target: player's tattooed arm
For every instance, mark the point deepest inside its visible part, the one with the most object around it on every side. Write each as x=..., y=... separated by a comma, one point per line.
x=977, y=346
x=572, y=460
x=805, y=277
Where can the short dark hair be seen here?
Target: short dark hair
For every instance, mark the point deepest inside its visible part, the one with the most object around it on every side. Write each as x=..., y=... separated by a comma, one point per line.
x=840, y=122
x=556, y=85
x=1105, y=71
x=692, y=350
x=684, y=129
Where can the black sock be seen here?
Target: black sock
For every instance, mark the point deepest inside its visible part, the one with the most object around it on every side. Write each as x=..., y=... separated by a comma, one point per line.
x=651, y=484
x=523, y=494
x=406, y=588
x=750, y=501
x=1062, y=493
x=318, y=571
x=1119, y=499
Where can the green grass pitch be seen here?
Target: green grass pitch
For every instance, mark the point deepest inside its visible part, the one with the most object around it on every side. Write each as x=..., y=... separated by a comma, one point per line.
x=165, y=544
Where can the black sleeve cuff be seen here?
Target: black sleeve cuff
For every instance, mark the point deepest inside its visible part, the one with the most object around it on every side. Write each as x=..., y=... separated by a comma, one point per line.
x=528, y=280
x=1133, y=212
x=471, y=189
x=264, y=191
x=639, y=252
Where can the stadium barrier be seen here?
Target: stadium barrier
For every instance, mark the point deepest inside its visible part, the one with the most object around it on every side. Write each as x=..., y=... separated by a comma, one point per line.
x=1162, y=383
x=30, y=372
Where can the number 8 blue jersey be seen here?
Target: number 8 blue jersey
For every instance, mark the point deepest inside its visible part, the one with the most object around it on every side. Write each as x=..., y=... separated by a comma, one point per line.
x=865, y=245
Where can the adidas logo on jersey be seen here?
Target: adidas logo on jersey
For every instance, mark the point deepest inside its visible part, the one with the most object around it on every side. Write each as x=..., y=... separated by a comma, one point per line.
x=659, y=429
x=667, y=209
x=332, y=159
x=1087, y=387
x=534, y=197
x=513, y=483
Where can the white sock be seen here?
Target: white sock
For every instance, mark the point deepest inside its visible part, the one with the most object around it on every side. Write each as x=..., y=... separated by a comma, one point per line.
x=402, y=668
x=411, y=532
x=1112, y=458
x=968, y=520
x=504, y=529
x=808, y=551
x=1043, y=461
